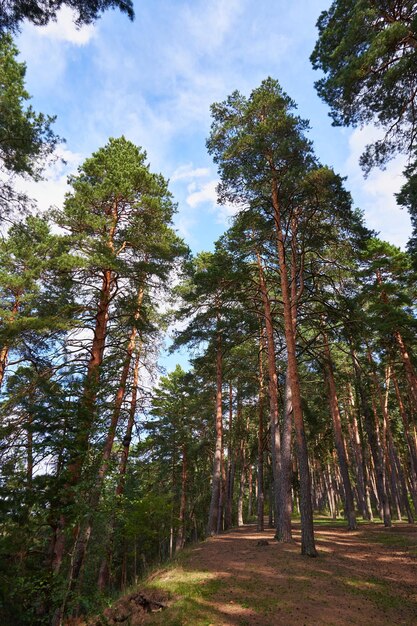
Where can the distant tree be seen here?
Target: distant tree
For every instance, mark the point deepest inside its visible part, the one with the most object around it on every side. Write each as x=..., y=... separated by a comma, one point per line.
x=40, y=12
x=368, y=53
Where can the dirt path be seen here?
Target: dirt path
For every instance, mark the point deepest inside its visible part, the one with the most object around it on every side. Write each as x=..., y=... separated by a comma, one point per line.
x=367, y=577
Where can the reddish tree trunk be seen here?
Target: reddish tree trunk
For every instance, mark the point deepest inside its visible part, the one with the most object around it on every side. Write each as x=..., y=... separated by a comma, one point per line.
x=357, y=452
x=4, y=351
x=307, y=530
x=85, y=531
x=272, y=387
x=260, y=473
x=372, y=431
x=86, y=413
x=411, y=444
x=229, y=479
x=284, y=523
x=104, y=570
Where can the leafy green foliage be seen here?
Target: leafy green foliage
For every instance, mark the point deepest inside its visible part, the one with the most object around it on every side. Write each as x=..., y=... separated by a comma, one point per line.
x=40, y=12
x=368, y=53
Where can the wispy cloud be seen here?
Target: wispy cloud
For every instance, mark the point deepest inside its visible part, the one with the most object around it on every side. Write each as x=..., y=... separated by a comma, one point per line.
x=376, y=193
x=187, y=172
x=51, y=191
x=212, y=25
x=202, y=194
x=205, y=196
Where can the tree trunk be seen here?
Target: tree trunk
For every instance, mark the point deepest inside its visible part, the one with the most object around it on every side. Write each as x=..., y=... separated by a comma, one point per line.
x=284, y=533
x=104, y=570
x=338, y=436
x=241, y=486
x=85, y=414
x=307, y=530
x=229, y=478
x=86, y=529
x=4, y=351
x=222, y=496
x=409, y=370
x=215, y=485
x=183, y=503
x=372, y=431
x=272, y=388
x=411, y=444
x=250, y=490
x=260, y=472
x=357, y=452
x=330, y=492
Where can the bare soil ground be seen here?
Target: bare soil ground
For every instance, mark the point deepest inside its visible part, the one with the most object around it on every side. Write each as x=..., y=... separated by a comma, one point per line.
x=367, y=577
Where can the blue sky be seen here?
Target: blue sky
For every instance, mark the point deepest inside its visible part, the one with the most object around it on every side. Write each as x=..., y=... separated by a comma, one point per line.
x=153, y=80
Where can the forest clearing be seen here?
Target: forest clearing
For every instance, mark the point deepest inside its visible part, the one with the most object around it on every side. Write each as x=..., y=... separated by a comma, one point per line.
x=245, y=578
x=208, y=348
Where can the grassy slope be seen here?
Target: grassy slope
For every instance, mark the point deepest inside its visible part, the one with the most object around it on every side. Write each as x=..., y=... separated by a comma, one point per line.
x=368, y=577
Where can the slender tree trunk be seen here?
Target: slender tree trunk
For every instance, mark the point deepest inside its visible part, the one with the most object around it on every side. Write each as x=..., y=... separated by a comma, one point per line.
x=222, y=497
x=408, y=367
x=87, y=406
x=183, y=503
x=272, y=388
x=330, y=492
x=357, y=452
x=307, y=530
x=271, y=507
x=241, y=485
x=4, y=350
x=260, y=473
x=284, y=533
x=411, y=444
x=215, y=486
x=29, y=448
x=403, y=488
x=250, y=488
x=338, y=436
x=284, y=526
x=372, y=431
x=382, y=444
x=229, y=481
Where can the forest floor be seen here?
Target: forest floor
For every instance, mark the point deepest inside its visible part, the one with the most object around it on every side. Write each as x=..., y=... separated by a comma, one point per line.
x=367, y=577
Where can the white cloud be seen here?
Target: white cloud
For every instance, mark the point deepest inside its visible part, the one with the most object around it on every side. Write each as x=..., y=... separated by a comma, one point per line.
x=206, y=194
x=376, y=194
x=187, y=172
x=64, y=29
x=211, y=27
x=203, y=194
x=51, y=191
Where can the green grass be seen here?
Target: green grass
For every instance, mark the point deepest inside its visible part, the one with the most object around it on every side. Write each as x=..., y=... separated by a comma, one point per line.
x=191, y=590
x=201, y=598
x=193, y=584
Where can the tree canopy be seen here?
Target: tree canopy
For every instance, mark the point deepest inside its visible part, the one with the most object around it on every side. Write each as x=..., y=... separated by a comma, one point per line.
x=368, y=53
x=40, y=12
